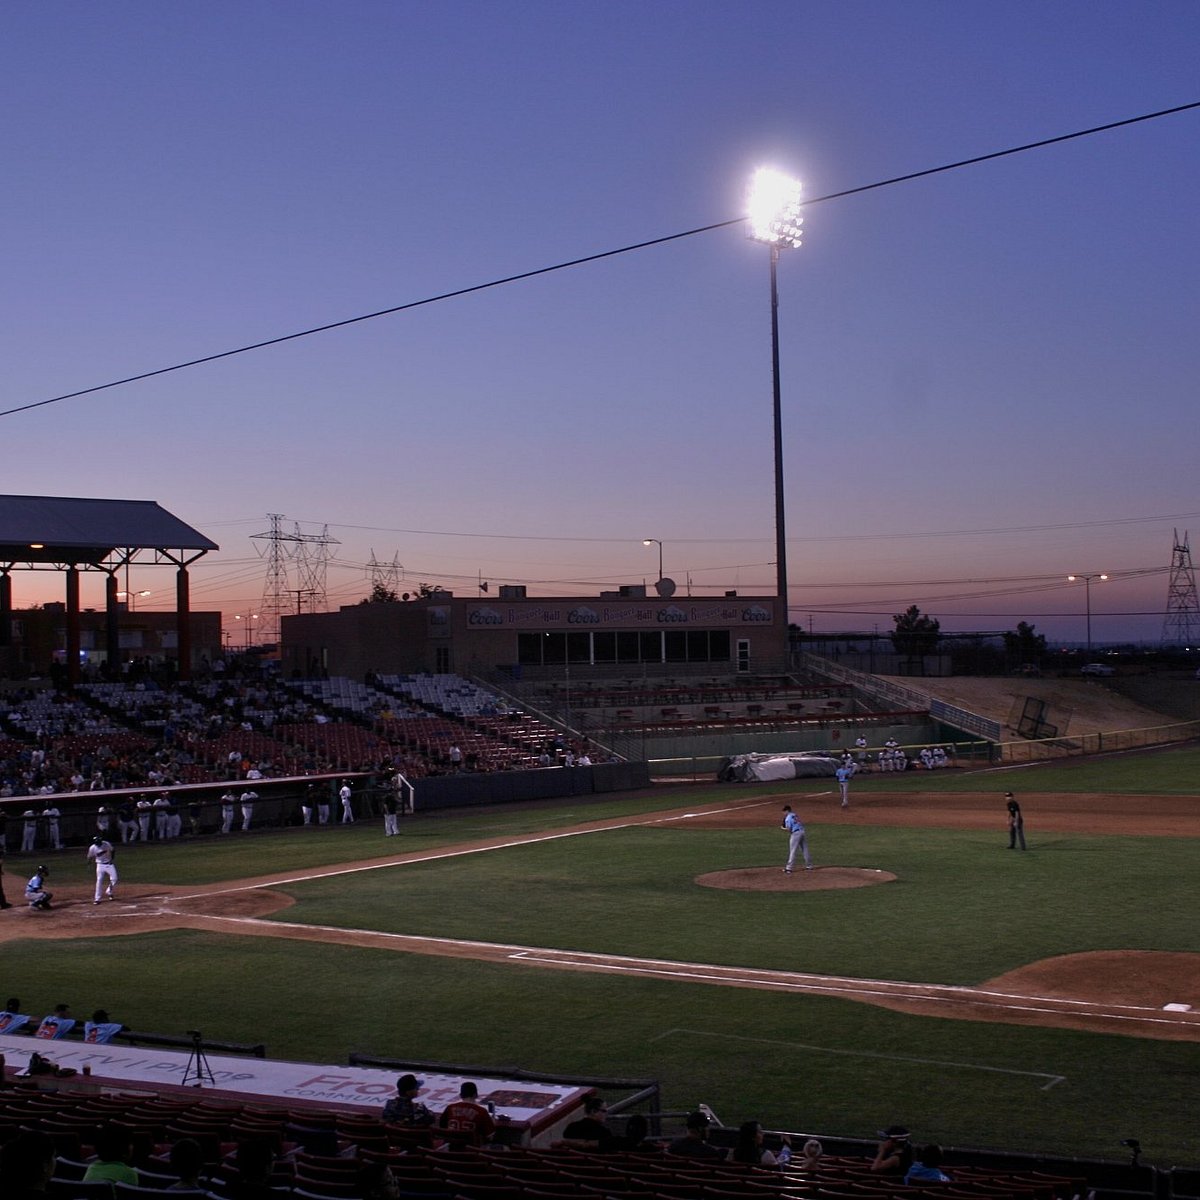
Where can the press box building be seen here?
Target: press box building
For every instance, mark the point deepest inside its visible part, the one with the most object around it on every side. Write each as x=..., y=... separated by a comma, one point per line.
x=623, y=633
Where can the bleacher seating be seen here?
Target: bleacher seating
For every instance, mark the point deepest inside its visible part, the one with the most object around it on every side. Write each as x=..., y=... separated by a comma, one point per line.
x=133, y=734
x=423, y=1167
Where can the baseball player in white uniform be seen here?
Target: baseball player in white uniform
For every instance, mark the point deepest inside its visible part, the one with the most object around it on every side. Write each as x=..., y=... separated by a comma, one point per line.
x=844, y=774
x=797, y=839
x=101, y=853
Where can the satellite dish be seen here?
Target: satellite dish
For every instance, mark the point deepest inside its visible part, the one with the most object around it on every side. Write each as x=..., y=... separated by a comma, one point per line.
x=665, y=588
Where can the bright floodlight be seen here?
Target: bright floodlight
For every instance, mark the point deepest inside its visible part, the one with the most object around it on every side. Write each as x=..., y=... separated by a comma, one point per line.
x=774, y=208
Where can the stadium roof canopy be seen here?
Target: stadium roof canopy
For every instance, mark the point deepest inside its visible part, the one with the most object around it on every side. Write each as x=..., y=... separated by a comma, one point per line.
x=57, y=531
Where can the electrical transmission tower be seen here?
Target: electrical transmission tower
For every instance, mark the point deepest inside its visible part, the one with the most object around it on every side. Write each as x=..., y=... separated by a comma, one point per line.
x=385, y=577
x=1181, y=626
x=310, y=554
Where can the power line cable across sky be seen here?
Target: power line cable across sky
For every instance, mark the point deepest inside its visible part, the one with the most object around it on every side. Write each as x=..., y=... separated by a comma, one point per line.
x=590, y=258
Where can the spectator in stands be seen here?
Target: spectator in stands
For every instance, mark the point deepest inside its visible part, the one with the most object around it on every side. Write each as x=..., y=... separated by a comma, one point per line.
x=114, y=1149
x=101, y=1030
x=376, y=1182
x=591, y=1131
x=56, y=1024
x=810, y=1156
x=928, y=1167
x=404, y=1108
x=894, y=1155
x=12, y=1019
x=27, y=1164
x=694, y=1143
x=637, y=1135
x=750, y=1148
x=187, y=1163
x=254, y=1161
x=466, y=1121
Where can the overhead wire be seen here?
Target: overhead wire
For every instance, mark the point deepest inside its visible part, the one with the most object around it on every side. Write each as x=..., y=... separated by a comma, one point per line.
x=583, y=260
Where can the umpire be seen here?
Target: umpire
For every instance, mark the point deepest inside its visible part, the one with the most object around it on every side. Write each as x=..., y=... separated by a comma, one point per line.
x=1016, y=823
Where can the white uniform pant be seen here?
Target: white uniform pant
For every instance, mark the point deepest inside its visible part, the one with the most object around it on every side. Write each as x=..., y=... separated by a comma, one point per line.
x=105, y=872
x=797, y=841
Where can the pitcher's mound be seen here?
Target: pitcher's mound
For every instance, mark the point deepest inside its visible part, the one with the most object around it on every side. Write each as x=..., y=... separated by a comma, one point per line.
x=774, y=879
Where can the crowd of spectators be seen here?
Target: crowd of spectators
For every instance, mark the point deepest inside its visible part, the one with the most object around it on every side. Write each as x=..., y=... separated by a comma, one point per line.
x=146, y=733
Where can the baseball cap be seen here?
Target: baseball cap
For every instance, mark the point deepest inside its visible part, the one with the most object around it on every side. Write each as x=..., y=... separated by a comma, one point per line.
x=896, y=1132
x=697, y=1120
x=409, y=1083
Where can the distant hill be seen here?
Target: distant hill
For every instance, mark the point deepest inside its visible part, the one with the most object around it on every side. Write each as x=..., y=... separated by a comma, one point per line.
x=1076, y=705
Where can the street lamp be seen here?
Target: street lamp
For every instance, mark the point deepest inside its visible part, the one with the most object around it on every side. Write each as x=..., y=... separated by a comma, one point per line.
x=773, y=211
x=131, y=597
x=1087, y=587
x=655, y=542
x=249, y=618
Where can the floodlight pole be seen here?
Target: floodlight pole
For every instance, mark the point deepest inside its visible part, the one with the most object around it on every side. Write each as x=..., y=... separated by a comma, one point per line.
x=1087, y=591
x=781, y=579
x=655, y=542
x=774, y=214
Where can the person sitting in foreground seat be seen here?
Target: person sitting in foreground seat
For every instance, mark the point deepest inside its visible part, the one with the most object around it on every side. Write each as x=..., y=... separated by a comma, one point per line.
x=694, y=1144
x=27, y=1165
x=404, y=1108
x=928, y=1167
x=895, y=1154
x=590, y=1132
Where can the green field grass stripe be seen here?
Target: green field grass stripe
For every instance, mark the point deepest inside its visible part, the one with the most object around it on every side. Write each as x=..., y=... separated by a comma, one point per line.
x=1051, y=1079
x=857, y=989
x=532, y=839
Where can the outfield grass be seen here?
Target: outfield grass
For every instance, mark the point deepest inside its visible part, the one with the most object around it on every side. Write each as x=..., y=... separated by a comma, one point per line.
x=964, y=910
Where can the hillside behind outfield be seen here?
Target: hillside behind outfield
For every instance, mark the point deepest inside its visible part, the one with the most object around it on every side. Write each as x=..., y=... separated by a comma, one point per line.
x=1093, y=705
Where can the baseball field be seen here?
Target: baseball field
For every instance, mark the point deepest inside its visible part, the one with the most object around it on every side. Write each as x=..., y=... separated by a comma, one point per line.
x=922, y=973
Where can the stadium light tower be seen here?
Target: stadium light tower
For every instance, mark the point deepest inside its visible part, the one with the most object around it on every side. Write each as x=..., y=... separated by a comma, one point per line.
x=1087, y=585
x=773, y=211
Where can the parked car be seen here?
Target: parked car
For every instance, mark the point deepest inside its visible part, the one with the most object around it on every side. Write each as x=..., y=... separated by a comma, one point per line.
x=1102, y=669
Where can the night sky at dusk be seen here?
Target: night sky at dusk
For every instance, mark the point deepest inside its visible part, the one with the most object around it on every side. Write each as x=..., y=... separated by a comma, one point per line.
x=989, y=375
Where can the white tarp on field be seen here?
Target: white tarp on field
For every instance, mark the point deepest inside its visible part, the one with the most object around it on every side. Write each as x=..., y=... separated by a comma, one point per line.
x=766, y=767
